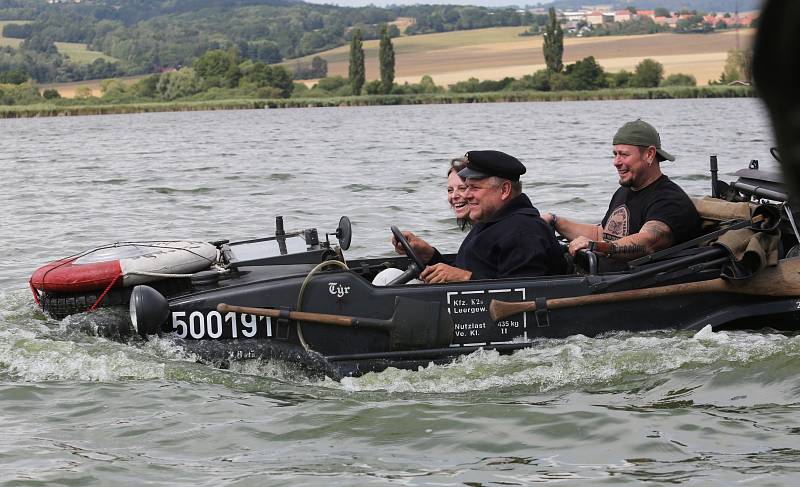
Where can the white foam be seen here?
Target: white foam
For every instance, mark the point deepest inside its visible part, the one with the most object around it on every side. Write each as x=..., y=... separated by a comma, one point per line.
x=580, y=362
x=33, y=359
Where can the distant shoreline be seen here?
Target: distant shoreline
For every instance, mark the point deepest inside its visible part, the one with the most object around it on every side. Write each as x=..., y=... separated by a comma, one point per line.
x=53, y=110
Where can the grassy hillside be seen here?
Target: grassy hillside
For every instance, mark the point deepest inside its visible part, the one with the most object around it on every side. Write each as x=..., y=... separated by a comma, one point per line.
x=499, y=52
x=152, y=35
x=6, y=41
x=77, y=52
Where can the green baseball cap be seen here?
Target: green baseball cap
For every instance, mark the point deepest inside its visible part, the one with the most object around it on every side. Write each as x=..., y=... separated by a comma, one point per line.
x=642, y=134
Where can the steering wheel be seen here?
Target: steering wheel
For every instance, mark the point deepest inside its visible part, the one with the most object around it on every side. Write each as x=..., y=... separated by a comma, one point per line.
x=416, y=266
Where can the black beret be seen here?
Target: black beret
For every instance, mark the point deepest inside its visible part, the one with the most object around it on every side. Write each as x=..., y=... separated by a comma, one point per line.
x=486, y=163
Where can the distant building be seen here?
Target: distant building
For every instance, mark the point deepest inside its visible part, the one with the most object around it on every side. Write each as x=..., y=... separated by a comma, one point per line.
x=672, y=22
x=622, y=16
x=595, y=18
x=745, y=20
x=538, y=11
x=574, y=16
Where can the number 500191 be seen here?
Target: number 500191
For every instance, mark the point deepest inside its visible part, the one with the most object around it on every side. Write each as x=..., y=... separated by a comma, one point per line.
x=214, y=324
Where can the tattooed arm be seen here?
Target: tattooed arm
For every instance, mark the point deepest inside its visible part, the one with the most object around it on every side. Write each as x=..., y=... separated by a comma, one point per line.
x=653, y=236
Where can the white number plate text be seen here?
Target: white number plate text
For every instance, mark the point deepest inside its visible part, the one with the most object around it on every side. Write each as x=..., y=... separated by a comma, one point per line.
x=213, y=324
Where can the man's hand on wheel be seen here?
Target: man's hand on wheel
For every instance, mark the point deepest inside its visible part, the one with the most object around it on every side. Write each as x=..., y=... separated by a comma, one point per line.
x=440, y=273
x=423, y=249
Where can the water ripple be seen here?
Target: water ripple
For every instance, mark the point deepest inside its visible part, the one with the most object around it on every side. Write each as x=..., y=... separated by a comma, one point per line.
x=717, y=408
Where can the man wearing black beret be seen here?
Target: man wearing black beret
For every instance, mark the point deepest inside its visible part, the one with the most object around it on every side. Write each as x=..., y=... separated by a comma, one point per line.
x=508, y=237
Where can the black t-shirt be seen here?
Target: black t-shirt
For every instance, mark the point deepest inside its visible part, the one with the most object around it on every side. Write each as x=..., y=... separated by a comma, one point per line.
x=662, y=200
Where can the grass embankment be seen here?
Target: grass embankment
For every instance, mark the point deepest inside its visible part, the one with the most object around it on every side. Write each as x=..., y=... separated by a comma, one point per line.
x=53, y=110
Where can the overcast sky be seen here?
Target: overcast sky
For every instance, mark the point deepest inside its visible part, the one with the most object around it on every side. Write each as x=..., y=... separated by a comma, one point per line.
x=383, y=3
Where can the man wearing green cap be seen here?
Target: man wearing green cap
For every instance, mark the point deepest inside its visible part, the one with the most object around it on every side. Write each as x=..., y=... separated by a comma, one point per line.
x=647, y=213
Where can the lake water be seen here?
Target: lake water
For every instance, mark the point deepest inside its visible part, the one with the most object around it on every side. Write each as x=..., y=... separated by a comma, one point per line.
x=75, y=409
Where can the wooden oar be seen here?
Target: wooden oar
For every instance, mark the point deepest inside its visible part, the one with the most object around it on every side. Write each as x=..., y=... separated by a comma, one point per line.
x=337, y=320
x=414, y=324
x=781, y=280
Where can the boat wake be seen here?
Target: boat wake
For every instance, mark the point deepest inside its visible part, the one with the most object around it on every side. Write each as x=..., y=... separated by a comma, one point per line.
x=35, y=348
x=618, y=362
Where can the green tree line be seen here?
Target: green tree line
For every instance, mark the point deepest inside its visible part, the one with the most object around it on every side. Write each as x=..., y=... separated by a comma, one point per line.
x=446, y=18
x=147, y=36
x=221, y=75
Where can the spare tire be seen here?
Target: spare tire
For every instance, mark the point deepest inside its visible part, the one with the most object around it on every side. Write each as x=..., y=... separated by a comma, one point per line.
x=61, y=305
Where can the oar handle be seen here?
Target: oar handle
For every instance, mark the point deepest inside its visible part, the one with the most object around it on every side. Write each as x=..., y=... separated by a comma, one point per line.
x=292, y=315
x=503, y=309
x=499, y=310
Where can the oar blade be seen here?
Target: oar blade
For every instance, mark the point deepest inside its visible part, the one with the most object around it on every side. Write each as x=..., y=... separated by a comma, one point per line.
x=420, y=324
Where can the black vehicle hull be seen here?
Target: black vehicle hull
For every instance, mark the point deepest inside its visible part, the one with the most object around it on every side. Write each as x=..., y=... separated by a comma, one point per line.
x=341, y=351
x=311, y=306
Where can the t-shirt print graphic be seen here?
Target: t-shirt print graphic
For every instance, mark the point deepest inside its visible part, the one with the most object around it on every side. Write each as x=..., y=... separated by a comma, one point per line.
x=618, y=224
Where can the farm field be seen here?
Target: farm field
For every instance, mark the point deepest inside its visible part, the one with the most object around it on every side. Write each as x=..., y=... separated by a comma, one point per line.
x=70, y=90
x=499, y=52
x=77, y=52
x=7, y=41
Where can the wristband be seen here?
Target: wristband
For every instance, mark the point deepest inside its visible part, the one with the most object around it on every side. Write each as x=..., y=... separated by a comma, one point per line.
x=553, y=220
x=602, y=247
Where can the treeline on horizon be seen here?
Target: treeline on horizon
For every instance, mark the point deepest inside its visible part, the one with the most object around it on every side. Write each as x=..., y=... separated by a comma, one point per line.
x=674, y=5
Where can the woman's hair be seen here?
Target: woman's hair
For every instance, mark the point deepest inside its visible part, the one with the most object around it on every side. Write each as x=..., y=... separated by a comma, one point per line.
x=457, y=165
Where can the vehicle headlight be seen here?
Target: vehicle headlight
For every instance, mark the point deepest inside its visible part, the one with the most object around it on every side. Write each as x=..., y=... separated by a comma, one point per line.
x=149, y=310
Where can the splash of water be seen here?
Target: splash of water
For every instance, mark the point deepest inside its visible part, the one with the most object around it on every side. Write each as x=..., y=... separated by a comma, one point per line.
x=35, y=348
x=620, y=360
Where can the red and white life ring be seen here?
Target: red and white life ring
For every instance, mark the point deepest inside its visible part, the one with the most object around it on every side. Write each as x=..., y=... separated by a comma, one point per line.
x=123, y=264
